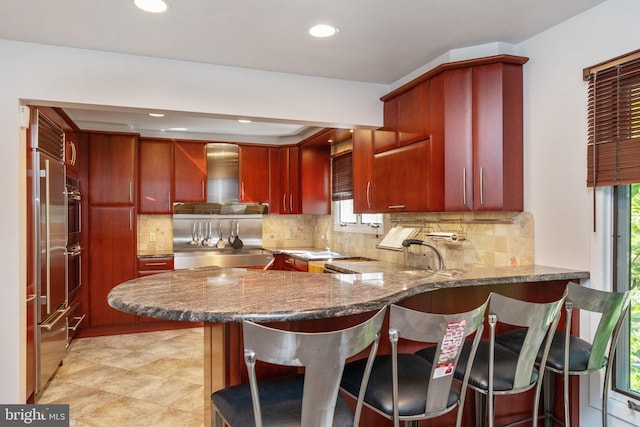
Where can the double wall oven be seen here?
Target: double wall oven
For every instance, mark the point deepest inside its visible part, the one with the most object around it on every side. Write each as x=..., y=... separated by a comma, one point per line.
x=74, y=256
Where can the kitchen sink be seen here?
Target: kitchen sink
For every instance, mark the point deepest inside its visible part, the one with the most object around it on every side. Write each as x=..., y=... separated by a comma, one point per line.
x=323, y=255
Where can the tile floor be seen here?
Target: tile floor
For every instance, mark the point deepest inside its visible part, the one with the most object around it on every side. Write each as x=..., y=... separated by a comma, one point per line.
x=151, y=379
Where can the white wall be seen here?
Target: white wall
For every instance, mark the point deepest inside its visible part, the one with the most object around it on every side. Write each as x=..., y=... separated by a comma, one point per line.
x=60, y=75
x=555, y=148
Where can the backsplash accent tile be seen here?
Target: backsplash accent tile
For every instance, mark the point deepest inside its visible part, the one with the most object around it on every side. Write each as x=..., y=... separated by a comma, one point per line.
x=161, y=227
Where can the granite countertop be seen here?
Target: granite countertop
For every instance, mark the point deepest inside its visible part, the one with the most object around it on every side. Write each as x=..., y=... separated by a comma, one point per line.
x=213, y=294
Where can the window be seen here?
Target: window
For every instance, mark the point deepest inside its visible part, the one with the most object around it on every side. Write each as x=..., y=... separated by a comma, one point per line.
x=613, y=158
x=342, y=195
x=627, y=269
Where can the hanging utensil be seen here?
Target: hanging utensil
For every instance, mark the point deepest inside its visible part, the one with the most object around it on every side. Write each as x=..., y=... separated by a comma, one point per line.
x=231, y=235
x=220, y=244
x=237, y=243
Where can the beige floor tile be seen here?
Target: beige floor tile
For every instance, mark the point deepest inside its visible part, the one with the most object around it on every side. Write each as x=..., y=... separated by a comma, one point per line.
x=147, y=379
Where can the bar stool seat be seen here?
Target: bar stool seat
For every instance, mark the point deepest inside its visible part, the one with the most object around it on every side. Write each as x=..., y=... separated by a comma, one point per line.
x=572, y=355
x=408, y=388
x=280, y=402
x=310, y=399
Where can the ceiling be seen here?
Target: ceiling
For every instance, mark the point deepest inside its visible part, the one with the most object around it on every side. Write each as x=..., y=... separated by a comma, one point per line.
x=379, y=41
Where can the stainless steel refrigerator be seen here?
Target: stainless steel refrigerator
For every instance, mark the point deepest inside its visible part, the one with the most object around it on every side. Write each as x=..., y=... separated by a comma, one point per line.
x=50, y=234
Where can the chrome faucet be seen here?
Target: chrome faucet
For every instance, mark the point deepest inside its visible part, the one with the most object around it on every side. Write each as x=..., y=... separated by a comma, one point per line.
x=326, y=244
x=409, y=242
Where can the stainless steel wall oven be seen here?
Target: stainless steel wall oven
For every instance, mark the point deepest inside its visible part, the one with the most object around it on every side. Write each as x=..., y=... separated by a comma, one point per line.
x=74, y=216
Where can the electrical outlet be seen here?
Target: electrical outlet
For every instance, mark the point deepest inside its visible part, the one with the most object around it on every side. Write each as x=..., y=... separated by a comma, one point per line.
x=287, y=235
x=152, y=236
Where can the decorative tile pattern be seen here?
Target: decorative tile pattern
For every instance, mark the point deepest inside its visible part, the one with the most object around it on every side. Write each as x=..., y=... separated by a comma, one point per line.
x=145, y=379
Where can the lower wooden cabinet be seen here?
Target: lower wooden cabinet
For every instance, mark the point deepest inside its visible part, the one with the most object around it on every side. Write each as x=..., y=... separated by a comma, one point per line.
x=112, y=256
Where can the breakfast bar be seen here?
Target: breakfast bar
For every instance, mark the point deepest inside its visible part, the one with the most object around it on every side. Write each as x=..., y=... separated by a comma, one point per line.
x=224, y=297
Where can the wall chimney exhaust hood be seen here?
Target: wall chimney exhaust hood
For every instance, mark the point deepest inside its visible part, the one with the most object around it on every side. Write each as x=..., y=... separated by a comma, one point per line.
x=222, y=173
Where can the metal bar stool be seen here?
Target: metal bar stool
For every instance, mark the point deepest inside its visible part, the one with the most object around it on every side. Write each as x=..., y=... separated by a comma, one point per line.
x=571, y=355
x=497, y=370
x=409, y=388
x=311, y=399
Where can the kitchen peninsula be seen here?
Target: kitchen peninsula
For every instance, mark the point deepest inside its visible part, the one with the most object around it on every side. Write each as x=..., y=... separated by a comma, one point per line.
x=223, y=298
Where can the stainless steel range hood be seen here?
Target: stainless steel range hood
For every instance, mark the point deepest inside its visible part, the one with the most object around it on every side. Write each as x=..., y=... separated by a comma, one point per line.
x=222, y=173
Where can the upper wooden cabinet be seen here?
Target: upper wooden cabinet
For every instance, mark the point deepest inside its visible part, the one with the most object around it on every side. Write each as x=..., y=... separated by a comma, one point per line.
x=364, y=200
x=190, y=171
x=315, y=178
x=476, y=114
x=406, y=119
x=287, y=198
x=112, y=168
x=409, y=178
x=155, y=172
x=254, y=174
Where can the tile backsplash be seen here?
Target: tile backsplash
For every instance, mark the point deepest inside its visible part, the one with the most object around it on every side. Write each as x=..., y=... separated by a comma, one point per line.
x=491, y=239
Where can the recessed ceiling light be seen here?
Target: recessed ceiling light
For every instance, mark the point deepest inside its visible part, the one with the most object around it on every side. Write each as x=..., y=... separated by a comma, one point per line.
x=153, y=6
x=323, y=30
x=156, y=114
x=244, y=121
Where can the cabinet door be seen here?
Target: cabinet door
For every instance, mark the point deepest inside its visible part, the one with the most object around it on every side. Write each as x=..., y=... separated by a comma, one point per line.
x=315, y=179
x=413, y=114
x=276, y=205
x=289, y=180
x=386, y=138
x=155, y=171
x=363, y=184
x=497, y=137
x=112, y=166
x=450, y=98
x=407, y=180
x=254, y=174
x=190, y=171
x=112, y=260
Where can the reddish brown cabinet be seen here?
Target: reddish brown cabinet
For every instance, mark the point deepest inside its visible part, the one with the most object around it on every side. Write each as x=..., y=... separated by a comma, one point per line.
x=284, y=180
x=364, y=200
x=254, y=174
x=155, y=176
x=112, y=255
x=154, y=265
x=112, y=167
x=190, y=171
x=315, y=179
x=409, y=178
x=406, y=118
x=476, y=114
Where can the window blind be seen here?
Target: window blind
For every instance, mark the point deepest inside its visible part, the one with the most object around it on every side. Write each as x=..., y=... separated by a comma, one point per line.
x=613, y=155
x=342, y=177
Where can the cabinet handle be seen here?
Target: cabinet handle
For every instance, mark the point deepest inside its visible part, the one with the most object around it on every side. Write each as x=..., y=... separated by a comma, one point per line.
x=291, y=202
x=72, y=162
x=169, y=202
x=130, y=219
x=284, y=202
x=131, y=192
x=202, y=189
x=464, y=186
x=368, y=194
x=397, y=207
x=154, y=264
x=481, y=187
x=242, y=190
